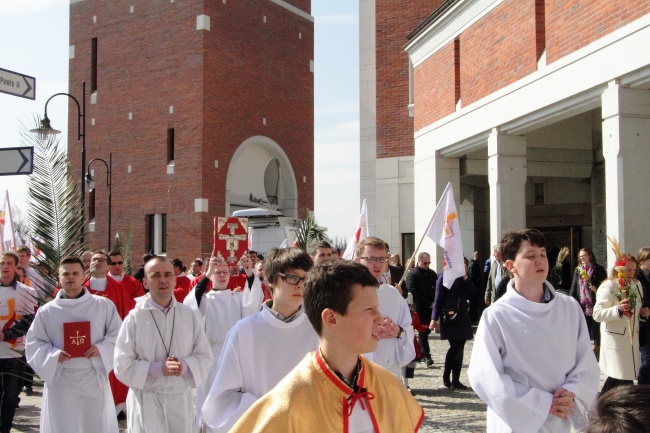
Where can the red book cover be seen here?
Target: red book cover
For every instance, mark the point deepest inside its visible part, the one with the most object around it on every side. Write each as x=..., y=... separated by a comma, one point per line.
x=230, y=238
x=76, y=338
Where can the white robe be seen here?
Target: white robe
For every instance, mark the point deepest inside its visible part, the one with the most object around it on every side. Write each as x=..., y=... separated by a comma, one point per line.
x=259, y=351
x=76, y=393
x=523, y=352
x=161, y=404
x=219, y=311
x=394, y=353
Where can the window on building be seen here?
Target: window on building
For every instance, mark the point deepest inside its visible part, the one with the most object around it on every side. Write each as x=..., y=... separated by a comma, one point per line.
x=93, y=66
x=170, y=145
x=408, y=246
x=156, y=233
x=539, y=192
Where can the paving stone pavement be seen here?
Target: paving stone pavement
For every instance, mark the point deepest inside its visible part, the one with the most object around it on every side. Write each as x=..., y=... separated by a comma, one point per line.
x=446, y=410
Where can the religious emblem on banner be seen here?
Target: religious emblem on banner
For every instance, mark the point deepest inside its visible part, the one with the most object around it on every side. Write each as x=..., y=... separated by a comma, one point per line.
x=230, y=238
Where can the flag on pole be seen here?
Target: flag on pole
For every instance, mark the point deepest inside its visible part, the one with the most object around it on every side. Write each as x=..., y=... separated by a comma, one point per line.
x=359, y=234
x=444, y=230
x=8, y=235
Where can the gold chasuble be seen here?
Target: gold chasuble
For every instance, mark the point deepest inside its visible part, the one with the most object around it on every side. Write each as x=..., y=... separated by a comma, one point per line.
x=312, y=398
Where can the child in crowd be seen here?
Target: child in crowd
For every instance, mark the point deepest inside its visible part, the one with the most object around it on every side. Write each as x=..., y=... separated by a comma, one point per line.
x=532, y=361
x=335, y=388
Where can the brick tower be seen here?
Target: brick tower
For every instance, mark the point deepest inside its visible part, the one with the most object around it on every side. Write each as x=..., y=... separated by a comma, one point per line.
x=193, y=99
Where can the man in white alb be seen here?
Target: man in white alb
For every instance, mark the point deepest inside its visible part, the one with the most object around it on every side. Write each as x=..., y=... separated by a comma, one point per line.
x=395, y=349
x=161, y=354
x=76, y=394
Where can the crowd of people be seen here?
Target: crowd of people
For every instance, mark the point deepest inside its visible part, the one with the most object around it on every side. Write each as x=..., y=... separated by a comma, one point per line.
x=225, y=348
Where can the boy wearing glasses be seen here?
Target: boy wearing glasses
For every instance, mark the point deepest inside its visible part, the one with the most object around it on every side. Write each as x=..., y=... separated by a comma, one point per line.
x=334, y=389
x=395, y=349
x=219, y=308
x=261, y=349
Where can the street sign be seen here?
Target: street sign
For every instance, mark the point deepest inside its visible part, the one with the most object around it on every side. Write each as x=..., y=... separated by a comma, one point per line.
x=16, y=160
x=17, y=84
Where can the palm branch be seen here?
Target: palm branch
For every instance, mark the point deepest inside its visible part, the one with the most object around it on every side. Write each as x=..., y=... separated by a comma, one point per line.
x=309, y=232
x=54, y=203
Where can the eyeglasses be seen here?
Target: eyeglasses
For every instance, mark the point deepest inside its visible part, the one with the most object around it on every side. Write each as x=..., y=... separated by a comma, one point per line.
x=117, y=263
x=375, y=259
x=291, y=278
x=98, y=259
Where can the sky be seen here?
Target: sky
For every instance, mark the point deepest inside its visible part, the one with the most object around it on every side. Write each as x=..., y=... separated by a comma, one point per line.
x=34, y=41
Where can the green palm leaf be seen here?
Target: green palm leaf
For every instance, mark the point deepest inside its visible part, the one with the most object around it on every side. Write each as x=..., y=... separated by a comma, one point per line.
x=309, y=232
x=54, y=203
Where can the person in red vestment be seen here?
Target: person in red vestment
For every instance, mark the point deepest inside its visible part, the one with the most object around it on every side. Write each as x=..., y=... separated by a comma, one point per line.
x=102, y=285
x=183, y=284
x=132, y=286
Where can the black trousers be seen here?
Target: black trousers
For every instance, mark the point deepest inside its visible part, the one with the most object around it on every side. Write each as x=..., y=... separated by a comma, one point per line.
x=11, y=383
x=454, y=360
x=423, y=341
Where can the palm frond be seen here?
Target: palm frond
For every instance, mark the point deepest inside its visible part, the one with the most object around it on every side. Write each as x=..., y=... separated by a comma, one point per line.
x=54, y=202
x=309, y=232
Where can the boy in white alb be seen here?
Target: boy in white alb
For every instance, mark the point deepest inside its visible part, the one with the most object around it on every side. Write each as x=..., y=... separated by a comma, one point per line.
x=334, y=389
x=532, y=361
x=76, y=395
x=261, y=349
x=219, y=309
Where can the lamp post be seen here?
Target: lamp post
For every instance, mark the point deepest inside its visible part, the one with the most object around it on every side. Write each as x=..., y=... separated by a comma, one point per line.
x=46, y=129
x=91, y=185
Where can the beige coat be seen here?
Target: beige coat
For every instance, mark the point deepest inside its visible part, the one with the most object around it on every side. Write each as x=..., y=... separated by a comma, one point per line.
x=619, y=358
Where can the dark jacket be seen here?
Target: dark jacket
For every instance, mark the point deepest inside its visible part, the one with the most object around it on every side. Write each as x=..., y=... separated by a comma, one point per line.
x=598, y=276
x=454, y=297
x=421, y=283
x=644, y=332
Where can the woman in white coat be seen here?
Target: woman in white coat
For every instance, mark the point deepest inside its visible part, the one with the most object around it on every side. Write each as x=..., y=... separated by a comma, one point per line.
x=619, y=353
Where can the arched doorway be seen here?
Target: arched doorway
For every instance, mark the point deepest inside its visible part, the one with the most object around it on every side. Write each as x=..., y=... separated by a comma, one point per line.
x=260, y=168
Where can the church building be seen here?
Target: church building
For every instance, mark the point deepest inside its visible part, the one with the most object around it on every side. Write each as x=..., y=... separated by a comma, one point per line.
x=536, y=111
x=201, y=107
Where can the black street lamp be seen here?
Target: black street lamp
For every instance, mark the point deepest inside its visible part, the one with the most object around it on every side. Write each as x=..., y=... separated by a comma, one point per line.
x=46, y=129
x=91, y=186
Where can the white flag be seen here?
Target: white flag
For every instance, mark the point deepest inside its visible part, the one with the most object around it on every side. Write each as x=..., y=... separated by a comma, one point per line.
x=8, y=235
x=359, y=234
x=444, y=230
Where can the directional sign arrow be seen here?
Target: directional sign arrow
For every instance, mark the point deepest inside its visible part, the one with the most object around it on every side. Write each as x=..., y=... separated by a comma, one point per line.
x=16, y=160
x=17, y=84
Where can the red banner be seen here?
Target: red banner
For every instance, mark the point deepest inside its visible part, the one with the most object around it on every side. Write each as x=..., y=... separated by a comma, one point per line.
x=230, y=238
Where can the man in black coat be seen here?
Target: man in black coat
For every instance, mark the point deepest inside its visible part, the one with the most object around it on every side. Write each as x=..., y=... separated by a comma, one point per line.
x=421, y=283
x=475, y=271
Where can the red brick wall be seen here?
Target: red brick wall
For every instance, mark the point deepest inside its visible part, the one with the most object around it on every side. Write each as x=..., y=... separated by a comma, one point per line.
x=394, y=21
x=436, y=86
x=573, y=25
x=220, y=83
x=498, y=50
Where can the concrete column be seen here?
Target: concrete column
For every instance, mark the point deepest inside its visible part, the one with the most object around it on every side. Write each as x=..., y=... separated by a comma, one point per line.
x=431, y=178
x=368, y=112
x=626, y=148
x=507, y=178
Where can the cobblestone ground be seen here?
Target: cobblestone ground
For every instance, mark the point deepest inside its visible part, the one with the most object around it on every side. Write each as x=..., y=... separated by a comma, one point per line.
x=446, y=410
